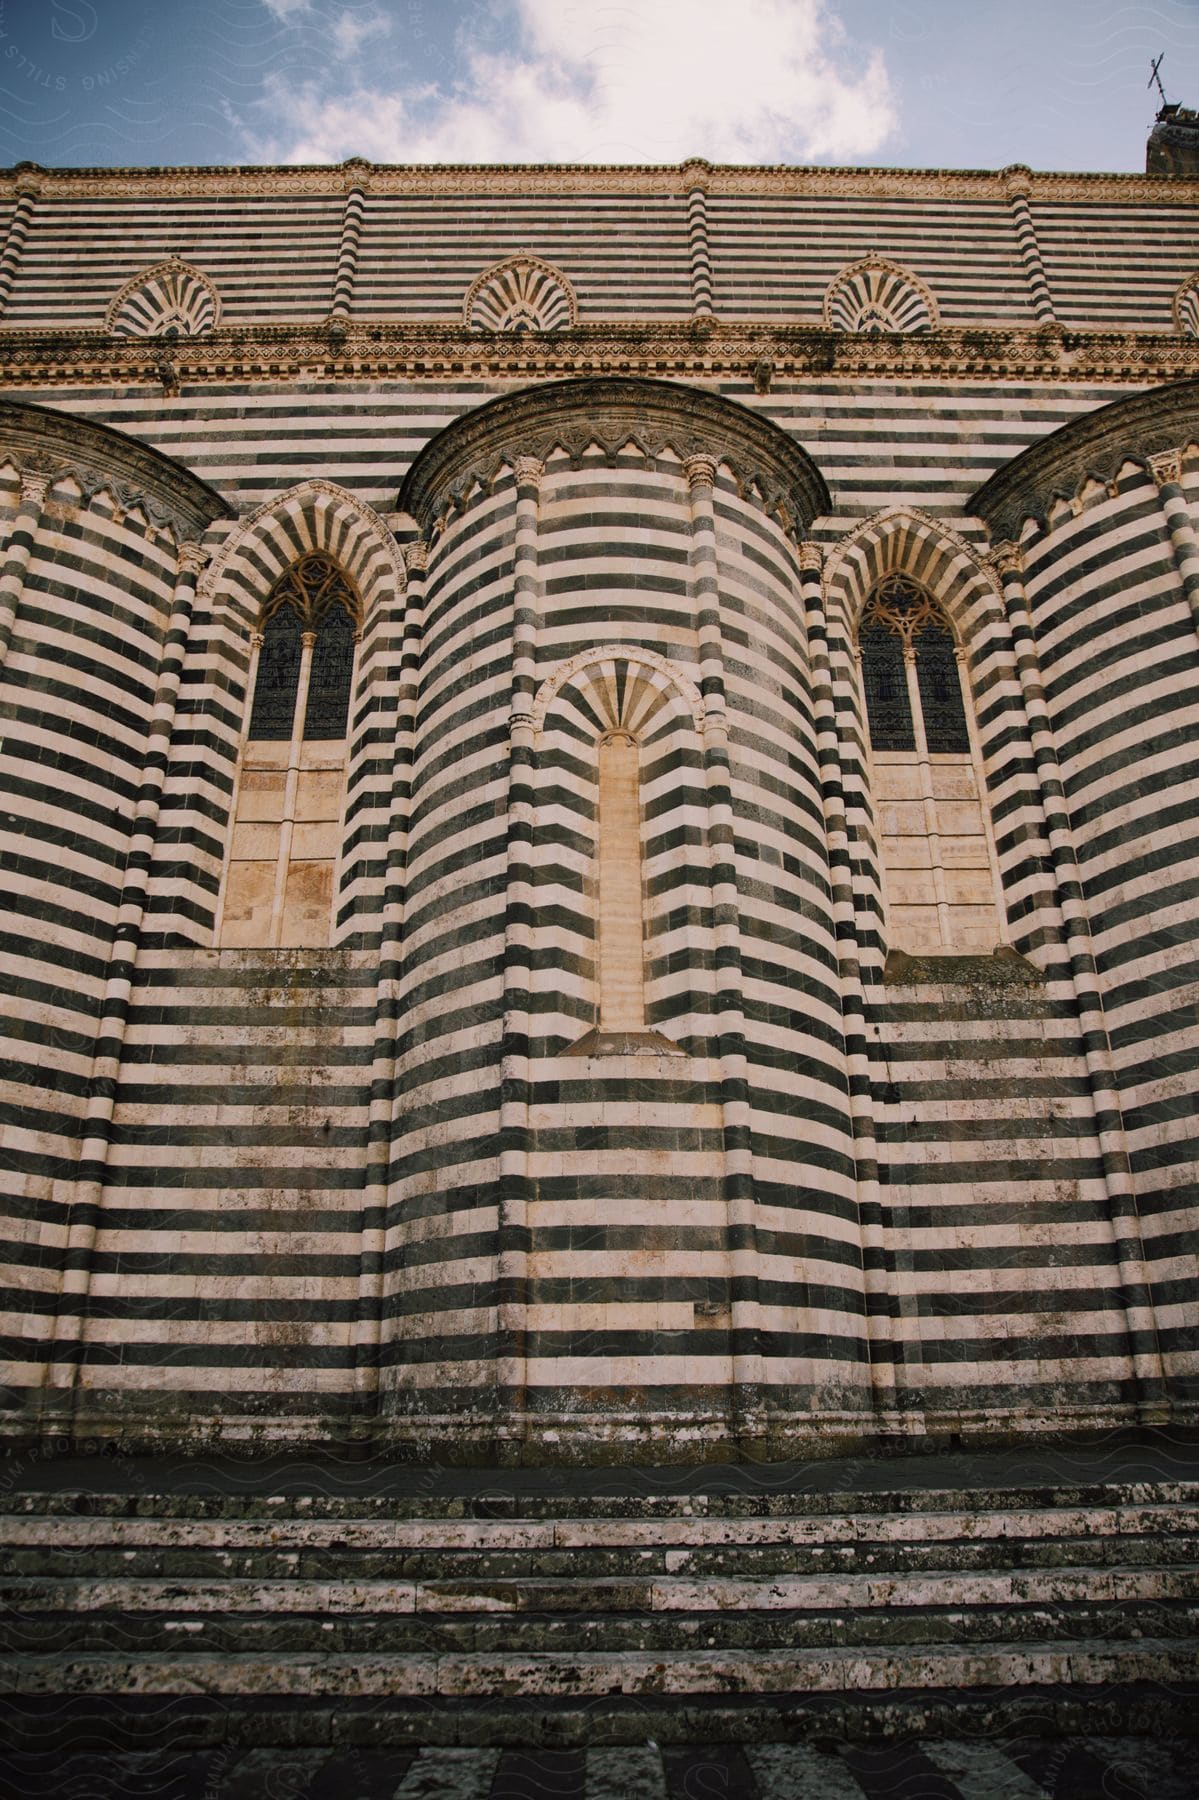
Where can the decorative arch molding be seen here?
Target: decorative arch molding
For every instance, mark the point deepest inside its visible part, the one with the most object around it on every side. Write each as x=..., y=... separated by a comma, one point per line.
x=316, y=516
x=877, y=295
x=99, y=460
x=1186, y=307
x=904, y=541
x=173, y=298
x=579, y=417
x=521, y=294
x=620, y=704
x=1090, y=450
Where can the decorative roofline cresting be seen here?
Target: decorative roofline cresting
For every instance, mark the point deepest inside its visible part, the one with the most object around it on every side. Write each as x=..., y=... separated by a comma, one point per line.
x=669, y=179
x=652, y=415
x=1094, y=447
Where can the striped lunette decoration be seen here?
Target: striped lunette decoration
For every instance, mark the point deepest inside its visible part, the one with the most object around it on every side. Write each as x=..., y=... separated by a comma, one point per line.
x=877, y=295
x=524, y=294
x=172, y=299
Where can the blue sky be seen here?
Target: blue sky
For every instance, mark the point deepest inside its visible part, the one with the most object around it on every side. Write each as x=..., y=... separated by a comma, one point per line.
x=940, y=83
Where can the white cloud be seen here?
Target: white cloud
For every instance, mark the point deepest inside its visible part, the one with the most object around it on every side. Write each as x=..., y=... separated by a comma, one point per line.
x=350, y=30
x=767, y=81
x=285, y=10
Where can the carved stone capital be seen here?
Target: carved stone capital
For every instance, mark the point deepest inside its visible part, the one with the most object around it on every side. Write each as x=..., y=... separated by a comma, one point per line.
x=696, y=173
x=520, y=719
x=1166, y=466
x=1007, y=559
x=1017, y=180
x=308, y=639
x=192, y=558
x=700, y=471
x=416, y=556
x=528, y=471
x=811, y=557
x=35, y=485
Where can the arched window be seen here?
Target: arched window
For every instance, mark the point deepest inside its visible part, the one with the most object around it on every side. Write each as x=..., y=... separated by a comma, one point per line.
x=939, y=871
x=286, y=832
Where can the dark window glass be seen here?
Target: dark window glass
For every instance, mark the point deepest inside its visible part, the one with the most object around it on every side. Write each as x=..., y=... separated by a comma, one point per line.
x=888, y=710
x=278, y=675
x=329, y=679
x=940, y=690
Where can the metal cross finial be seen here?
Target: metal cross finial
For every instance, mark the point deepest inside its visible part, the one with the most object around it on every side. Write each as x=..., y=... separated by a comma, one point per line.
x=1155, y=77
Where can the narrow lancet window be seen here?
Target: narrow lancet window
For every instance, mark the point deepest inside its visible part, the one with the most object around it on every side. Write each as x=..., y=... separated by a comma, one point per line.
x=940, y=878
x=284, y=851
x=621, y=931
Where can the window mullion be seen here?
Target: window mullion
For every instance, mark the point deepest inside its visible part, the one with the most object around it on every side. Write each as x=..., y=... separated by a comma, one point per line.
x=927, y=794
x=294, y=753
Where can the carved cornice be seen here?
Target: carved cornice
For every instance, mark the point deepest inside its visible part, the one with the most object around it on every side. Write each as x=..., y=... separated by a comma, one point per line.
x=731, y=348
x=1092, y=448
x=33, y=437
x=656, y=416
x=552, y=179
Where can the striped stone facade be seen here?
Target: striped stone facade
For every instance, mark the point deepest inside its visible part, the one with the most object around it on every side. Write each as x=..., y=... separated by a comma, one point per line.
x=680, y=1068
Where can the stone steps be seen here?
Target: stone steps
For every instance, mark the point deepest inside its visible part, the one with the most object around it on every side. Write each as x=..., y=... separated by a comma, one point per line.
x=443, y=1617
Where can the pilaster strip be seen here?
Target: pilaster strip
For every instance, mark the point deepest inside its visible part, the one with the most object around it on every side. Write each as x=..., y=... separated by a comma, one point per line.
x=515, y=1137
x=14, y=241
x=381, y=1115
x=1029, y=247
x=1166, y=470
x=65, y=1356
x=699, y=252
x=877, y=1272
x=35, y=485
x=1135, y=1292
x=737, y=1180
x=347, y=253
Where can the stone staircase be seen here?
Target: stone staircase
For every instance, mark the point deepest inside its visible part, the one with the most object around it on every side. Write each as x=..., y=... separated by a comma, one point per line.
x=492, y=1615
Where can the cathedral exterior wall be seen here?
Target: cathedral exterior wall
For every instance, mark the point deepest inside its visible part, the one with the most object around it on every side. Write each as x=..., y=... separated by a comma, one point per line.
x=596, y=1122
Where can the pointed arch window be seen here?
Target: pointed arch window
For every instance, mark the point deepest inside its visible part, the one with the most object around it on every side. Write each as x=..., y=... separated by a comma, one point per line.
x=290, y=795
x=940, y=876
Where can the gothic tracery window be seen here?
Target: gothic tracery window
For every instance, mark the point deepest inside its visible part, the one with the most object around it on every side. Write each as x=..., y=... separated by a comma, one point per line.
x=939, y=873
x=284, y=851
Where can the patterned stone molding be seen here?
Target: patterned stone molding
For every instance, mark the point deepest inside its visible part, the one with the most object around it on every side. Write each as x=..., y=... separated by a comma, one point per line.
x=651, y=415
x=682, y=350
x=1093, y=448
x=98, y=457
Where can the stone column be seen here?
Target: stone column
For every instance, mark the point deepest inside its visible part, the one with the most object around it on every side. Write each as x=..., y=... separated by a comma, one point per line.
x=14, y=242
x=737, y=1121
x=876, y=1269
x=96, y=1128
x=513, y=1244
x=35, y=485
x=381, y=1118
x=1016, y=182
x=1136, y=1295
x=1166, y=470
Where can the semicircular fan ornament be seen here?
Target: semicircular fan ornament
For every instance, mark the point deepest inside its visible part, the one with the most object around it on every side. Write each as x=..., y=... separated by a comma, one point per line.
x=522, y=294
x=619, y=693
x=876, y=296
x=173, y=299
x=1186, y=307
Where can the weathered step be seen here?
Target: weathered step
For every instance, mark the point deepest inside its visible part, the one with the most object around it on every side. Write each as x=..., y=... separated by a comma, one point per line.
x=695, y=1501
x=600, y=1673
x=348, y=1561
x=272, y=1630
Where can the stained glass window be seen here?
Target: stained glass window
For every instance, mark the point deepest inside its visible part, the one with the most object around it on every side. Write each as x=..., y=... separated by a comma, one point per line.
x=332, y=671
x=313, y=595
x=900, y=616
x=888, y=709
x=278, y=673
